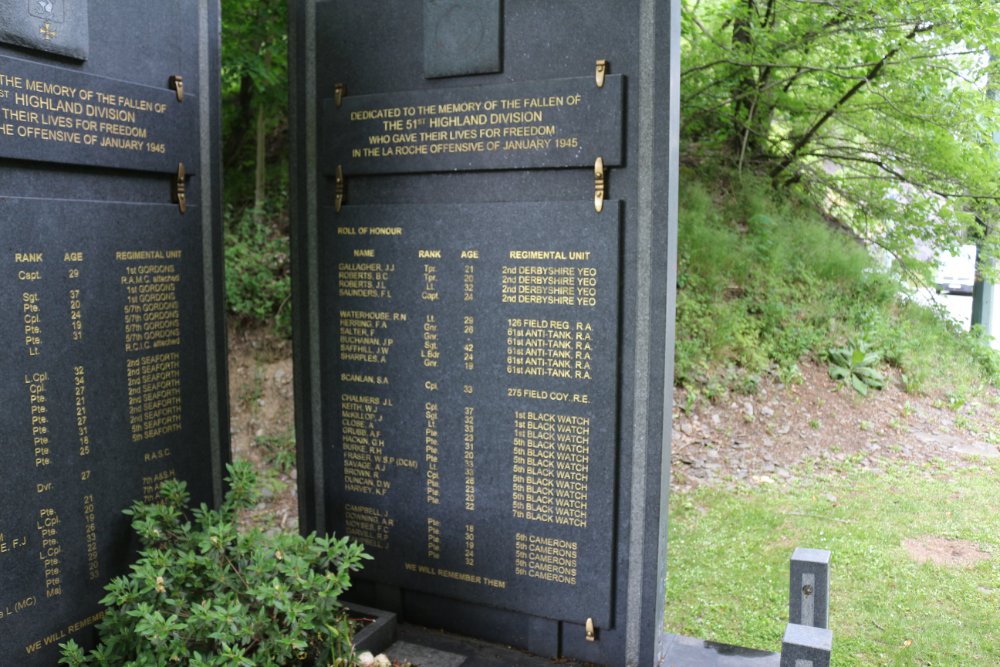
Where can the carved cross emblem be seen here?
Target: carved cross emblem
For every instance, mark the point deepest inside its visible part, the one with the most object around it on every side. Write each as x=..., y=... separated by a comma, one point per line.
x=47, y=32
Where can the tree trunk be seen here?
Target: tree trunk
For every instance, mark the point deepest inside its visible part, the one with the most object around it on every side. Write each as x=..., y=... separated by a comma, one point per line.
x=260, y=176
x=745, y=93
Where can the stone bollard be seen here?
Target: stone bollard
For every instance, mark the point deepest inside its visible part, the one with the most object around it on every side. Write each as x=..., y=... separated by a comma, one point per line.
x=809, y=588
x=806, y=646
x=808, y=640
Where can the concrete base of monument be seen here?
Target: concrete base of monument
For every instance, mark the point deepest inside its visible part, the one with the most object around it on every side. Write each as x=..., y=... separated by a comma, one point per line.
x=379, y=630
x=432, y=648
x=690, y=652
x=423, y=647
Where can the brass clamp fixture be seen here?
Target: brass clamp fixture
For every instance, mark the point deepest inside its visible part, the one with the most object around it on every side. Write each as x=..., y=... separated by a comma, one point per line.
x=339, y=91
x=600, y=185
x=179, y=195
x=177, y=84
x=339, y=190
x=600, y=182
x=591, y=631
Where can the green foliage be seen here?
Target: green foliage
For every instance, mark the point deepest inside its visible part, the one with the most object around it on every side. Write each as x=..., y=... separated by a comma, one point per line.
x=258, y=271
x=876, y=110
x=759, y=282
x=279, y=450
x=764, y=282
x=254, y=91
x=203, y=594
x=856, y=366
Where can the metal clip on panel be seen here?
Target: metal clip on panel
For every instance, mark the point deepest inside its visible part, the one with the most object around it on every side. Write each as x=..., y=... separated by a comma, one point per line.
x=339, y=190
x=179, y=195
x=591, y=632
x=177, y=84
x=602, y=70
x=599, y=185
x=338, y=94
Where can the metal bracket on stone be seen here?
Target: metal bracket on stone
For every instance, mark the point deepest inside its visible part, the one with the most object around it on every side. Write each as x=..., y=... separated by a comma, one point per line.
x=179, y=194
x=340, y=189
x=176, y=84
x=600, y=72
x=600, y=185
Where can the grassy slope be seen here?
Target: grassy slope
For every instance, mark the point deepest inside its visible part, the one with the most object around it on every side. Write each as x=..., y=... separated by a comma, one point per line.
x=764, y=282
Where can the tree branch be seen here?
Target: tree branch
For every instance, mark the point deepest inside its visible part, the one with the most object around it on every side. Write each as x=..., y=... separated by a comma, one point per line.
x=872, y=74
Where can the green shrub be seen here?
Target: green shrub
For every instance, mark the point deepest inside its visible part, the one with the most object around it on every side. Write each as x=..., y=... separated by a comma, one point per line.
x=201, y=593
x=855, y=365
x=258, y=270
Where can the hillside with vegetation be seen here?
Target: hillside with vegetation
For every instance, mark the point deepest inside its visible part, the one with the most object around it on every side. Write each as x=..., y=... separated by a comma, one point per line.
x=766, y=284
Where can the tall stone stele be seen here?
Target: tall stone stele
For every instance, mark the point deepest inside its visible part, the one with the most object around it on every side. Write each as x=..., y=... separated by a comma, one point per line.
x=111, y=321
x=484, y=238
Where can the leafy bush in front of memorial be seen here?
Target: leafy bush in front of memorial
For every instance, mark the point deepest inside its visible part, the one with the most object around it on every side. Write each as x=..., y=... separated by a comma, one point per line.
x=201, y=593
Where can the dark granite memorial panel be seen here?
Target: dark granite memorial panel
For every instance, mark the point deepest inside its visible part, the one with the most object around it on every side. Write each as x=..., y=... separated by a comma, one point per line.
x=54, y=114
x=111, y=328
x=471, y=431
x=529, y=125
x=445, y=148
x=103, y=328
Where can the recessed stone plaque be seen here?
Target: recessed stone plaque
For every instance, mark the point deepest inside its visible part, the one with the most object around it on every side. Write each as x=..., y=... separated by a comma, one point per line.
x=472, y=436
x=58, y=115
x=461, y=37
x=105, y=362
x=51, y=26
x=539, y=124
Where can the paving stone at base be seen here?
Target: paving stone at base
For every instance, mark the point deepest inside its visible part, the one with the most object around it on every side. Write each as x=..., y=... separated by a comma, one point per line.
x=415, y=654
x=430, y=648
x=681, y=651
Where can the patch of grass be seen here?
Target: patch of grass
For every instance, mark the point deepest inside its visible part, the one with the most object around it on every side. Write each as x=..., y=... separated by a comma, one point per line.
x=251, y=392
x=728, y=566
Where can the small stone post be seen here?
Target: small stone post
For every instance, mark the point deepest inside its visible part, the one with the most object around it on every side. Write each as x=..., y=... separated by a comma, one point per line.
x=809, y=588
x=808, y=640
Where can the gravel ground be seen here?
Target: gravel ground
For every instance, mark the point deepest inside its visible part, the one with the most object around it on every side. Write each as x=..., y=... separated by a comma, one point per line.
x=767, y=437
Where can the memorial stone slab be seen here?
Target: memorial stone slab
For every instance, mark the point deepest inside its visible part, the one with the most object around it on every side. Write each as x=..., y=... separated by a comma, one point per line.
x=110, y=300
x=484, y=240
